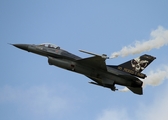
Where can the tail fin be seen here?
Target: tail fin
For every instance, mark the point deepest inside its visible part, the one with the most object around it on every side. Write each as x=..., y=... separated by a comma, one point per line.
x=138, y=64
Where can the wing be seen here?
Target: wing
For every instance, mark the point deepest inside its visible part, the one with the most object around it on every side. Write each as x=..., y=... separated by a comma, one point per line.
x=95, y=61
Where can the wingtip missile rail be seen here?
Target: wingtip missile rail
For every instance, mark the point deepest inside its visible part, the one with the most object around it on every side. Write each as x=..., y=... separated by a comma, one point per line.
x=103, y=55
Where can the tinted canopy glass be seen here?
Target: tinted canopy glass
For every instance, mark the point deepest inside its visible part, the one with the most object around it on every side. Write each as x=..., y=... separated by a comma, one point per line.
x=49, y=45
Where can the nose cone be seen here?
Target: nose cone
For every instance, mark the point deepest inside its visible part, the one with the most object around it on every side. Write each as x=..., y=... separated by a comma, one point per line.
x=21, y=46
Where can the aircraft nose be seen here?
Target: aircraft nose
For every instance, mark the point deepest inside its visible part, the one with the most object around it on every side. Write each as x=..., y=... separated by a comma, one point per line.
x=21, y=46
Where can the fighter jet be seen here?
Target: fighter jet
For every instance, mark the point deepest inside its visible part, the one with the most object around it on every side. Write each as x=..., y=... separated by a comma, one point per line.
x=94, y=67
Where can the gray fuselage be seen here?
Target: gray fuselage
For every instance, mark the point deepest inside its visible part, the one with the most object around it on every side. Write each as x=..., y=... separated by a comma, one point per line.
x=106, y=77
x=68, y=61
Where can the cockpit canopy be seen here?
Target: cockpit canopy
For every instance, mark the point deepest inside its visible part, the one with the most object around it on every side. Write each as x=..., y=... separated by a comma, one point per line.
x=49, y=45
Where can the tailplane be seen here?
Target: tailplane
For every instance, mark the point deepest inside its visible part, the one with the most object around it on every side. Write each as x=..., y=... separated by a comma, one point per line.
x=136, y=90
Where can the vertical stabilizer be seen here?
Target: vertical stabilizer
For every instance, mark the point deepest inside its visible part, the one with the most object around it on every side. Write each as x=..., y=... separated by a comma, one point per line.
x=138, y=64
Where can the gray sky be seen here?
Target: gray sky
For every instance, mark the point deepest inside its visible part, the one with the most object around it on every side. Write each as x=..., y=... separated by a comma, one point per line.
x=31, y=89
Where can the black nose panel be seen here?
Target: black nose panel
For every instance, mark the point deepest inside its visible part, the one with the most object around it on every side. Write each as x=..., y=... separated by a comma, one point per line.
x=21, y=46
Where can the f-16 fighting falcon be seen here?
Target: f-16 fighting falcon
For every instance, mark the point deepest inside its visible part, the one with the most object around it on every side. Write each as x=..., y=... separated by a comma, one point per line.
x=126, y=74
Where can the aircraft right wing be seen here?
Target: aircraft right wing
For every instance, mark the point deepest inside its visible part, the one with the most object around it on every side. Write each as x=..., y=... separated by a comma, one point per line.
x=96, y=61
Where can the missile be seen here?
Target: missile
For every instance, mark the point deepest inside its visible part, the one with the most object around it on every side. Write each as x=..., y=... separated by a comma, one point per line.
x=103, y=55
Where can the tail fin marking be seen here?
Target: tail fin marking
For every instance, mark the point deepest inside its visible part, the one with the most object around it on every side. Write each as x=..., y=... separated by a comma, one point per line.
x=137, y=65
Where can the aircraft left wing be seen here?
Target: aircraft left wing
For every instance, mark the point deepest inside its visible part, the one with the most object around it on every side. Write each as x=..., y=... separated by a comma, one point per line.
x=96, y=61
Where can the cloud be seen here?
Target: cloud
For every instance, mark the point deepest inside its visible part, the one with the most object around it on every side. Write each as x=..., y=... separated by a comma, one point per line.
x=109, y=114
x=157, y=109
x=38, y=101
x=156, y=77
x=159, y=38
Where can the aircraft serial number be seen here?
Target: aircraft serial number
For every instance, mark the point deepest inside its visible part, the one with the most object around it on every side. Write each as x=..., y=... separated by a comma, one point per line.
x=132, y=72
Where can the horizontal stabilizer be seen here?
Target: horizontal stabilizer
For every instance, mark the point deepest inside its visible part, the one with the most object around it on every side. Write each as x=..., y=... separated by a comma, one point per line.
x=136, y=90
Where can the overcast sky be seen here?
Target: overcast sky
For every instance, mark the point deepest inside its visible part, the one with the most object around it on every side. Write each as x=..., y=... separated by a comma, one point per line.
x=30, y=89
